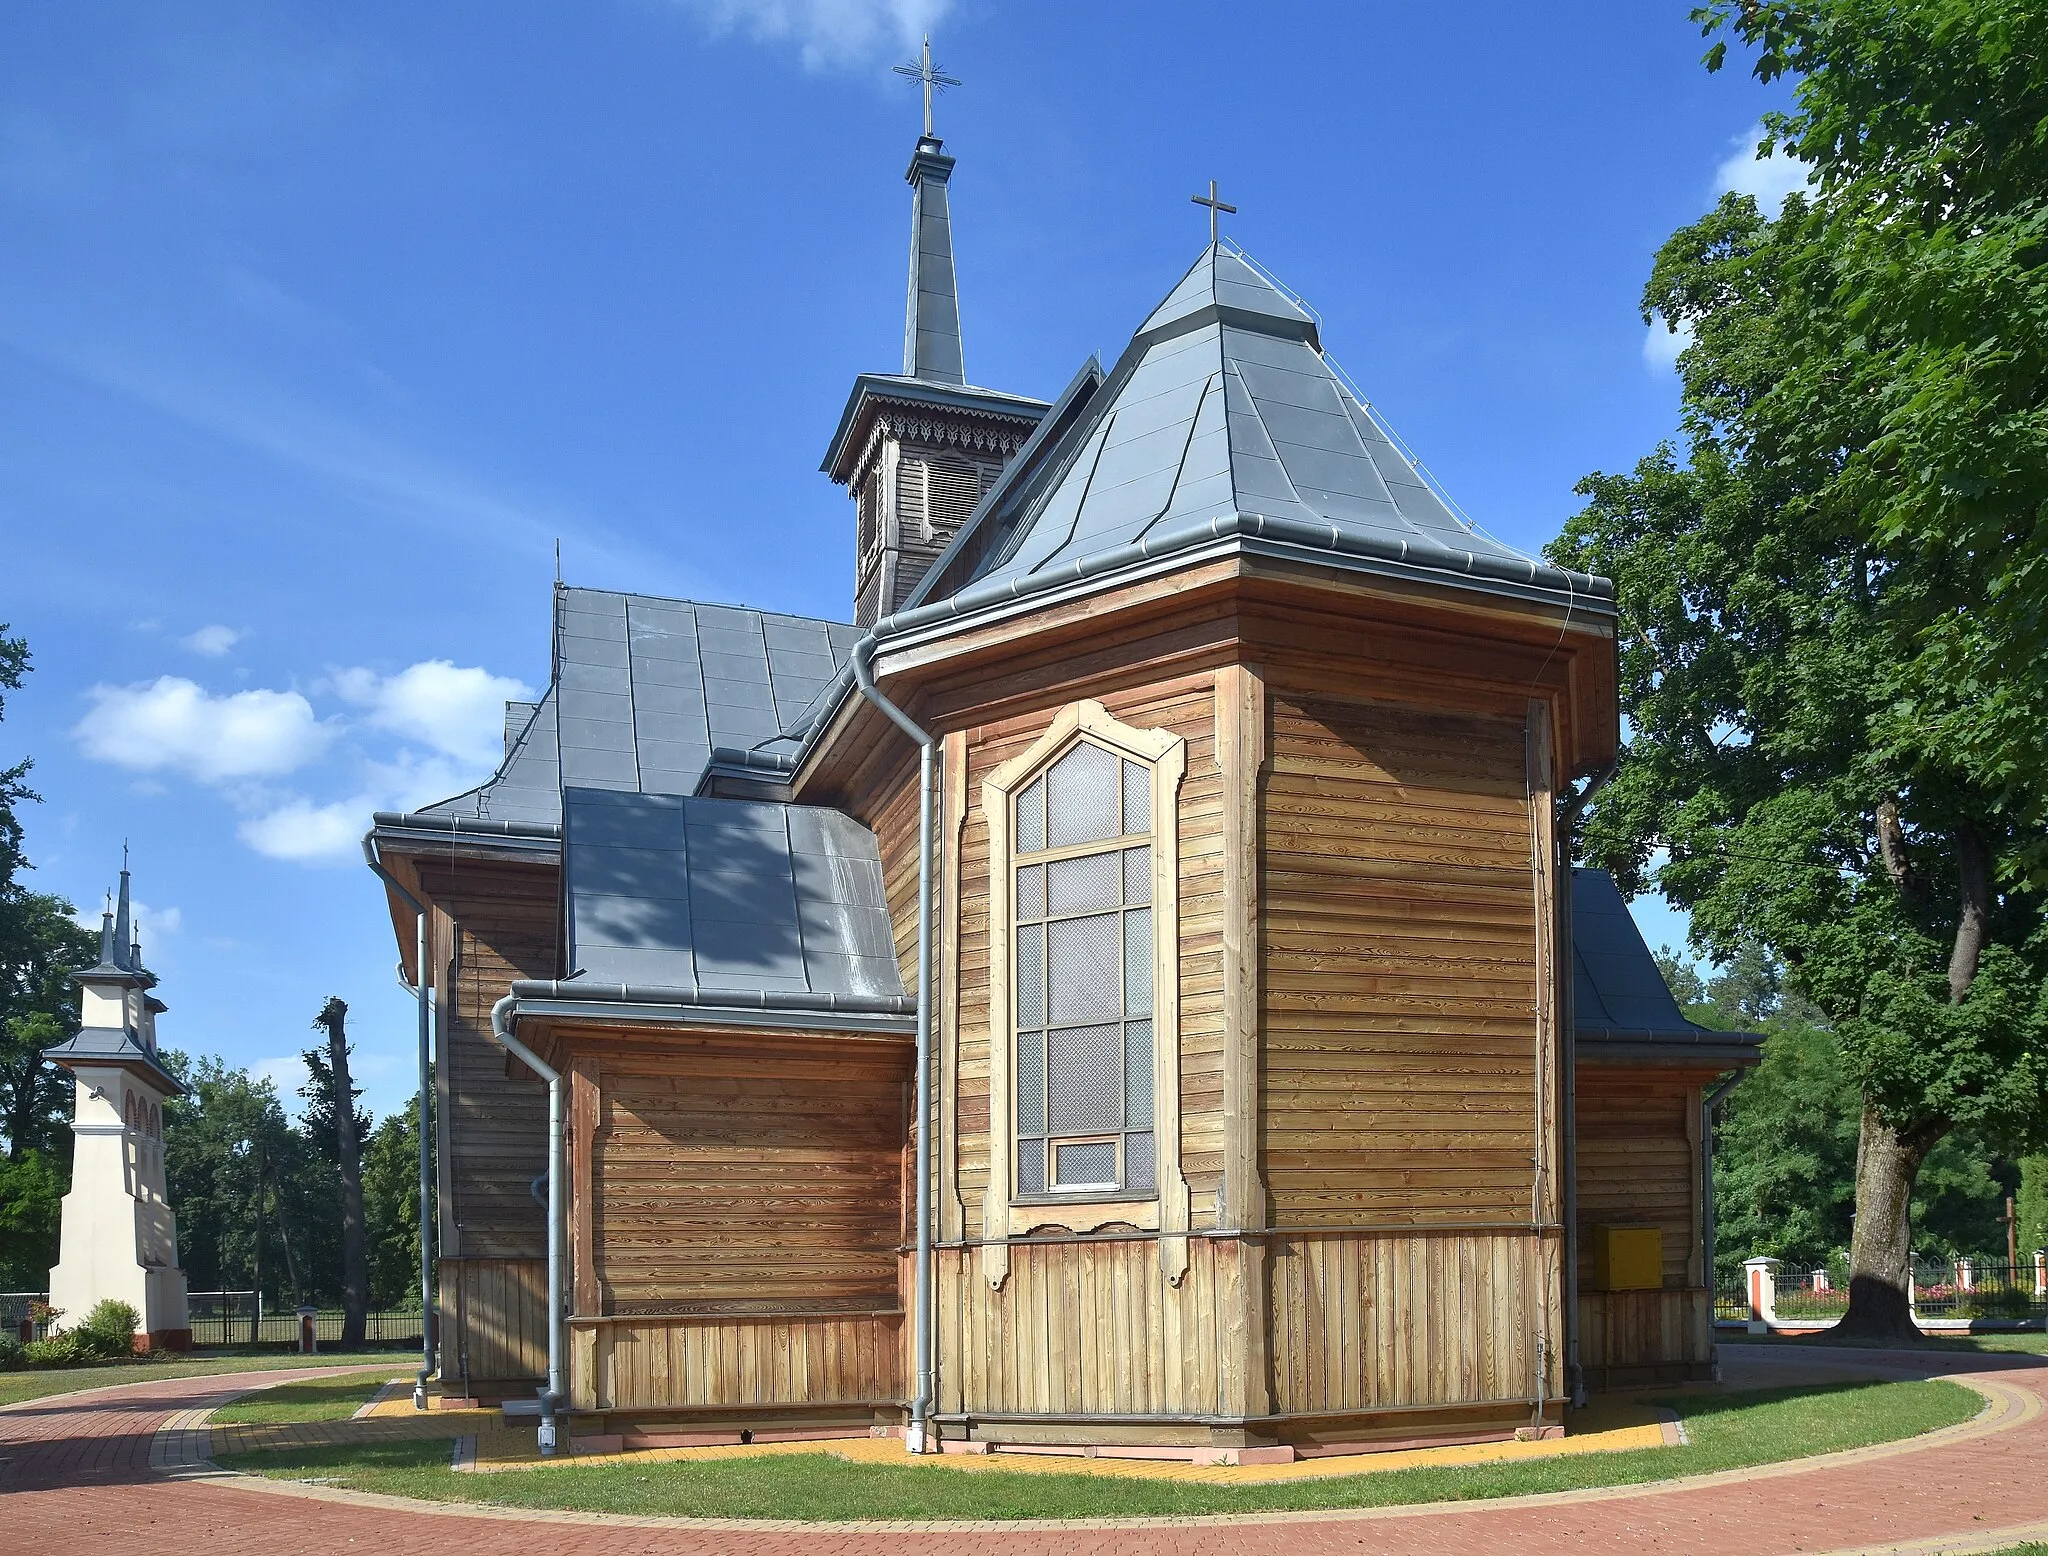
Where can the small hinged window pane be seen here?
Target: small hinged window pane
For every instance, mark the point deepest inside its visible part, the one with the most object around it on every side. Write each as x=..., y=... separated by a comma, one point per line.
x=1086, y=1164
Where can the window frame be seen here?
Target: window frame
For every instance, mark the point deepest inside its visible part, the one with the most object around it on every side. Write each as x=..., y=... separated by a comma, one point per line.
x=1006, y=1214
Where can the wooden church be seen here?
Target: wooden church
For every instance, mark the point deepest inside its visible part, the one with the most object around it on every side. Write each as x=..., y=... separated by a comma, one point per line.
x=1125, y=991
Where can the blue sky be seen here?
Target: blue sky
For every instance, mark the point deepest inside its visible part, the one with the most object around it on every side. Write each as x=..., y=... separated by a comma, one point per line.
x=319, y=326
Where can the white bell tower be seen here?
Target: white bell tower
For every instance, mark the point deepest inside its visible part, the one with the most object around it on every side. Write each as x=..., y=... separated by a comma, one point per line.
x=120, y=1239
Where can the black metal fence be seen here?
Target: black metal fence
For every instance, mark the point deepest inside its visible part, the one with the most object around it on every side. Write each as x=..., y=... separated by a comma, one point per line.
x=233, y=1318
x=1965, y=1290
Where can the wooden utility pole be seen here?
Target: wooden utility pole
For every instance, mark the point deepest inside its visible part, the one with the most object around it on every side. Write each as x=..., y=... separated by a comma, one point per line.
x=355, y=1256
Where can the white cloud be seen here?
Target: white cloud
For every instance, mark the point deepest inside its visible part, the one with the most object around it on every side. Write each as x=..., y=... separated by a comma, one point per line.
x=1662, y=345
x=287, y=1075
x=458, y=711
x=213, y=641
x=1768, y=179
x=827, y=32
x=172, y=723
x=158, y=921
x=303, y=831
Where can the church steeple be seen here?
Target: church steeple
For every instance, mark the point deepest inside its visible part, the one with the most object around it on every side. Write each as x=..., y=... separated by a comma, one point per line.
x=931, y=325
x=917, y=450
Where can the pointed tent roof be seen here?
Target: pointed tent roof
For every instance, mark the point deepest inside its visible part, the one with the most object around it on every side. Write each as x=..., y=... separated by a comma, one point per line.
x=1223, y=421
x=931, y=327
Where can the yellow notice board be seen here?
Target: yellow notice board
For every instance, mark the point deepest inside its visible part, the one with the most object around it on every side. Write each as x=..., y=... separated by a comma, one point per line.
x=1628, y=1258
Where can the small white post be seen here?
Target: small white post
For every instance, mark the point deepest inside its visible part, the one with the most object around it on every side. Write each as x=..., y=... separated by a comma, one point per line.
x=1820, y=1281
x=1761, y=1277
x=2041, y=1272
x=1966, y=1274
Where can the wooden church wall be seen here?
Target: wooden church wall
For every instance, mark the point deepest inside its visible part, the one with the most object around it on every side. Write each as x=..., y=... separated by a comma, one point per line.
x=1393, y=1011
x=1639, y=1164
x=498, y=922
x=749, y=1188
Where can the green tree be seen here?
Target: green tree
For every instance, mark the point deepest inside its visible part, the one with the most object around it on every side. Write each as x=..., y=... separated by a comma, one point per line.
x=40, y=948
x=227, y=1148
x=336, y=1129
x=14, y=788
x=1821, y=660
x=31, y=1191
x=391, y=1207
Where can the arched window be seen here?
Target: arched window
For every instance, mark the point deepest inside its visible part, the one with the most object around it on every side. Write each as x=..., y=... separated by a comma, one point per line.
x=1084, y=1088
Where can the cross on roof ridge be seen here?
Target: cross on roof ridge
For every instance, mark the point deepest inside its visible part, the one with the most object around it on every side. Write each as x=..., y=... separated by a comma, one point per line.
x=1216, y=207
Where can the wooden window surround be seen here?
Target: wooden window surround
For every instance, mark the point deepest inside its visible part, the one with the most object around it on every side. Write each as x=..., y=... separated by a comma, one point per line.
x=1005, y=1213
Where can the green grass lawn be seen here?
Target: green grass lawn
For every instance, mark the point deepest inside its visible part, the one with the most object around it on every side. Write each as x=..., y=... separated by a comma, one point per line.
x=314, y=1399
x=1727, y=1432
x=41, y=1382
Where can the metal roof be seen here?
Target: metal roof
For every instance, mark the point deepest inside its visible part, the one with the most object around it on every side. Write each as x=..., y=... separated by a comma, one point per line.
x=643, y=689
x=1619, y=995
x=111, y=1045
x=1223, y=421
x=724, y=898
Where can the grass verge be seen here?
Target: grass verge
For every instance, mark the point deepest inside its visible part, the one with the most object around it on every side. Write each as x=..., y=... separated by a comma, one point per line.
x=2025, y=1341
x=1727, y=1432
x=310, y=1399
x=41, y=1383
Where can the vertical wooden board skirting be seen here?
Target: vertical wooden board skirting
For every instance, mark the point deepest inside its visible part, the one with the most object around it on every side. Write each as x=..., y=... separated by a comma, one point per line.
x=952, y=828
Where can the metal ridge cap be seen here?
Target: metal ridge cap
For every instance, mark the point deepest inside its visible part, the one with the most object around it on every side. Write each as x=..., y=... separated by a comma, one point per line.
x=475, y=826
x=749, y=760
x=1699, y=1037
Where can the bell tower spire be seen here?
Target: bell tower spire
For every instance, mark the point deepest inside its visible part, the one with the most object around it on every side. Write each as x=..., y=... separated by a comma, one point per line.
x=916, y=450
x=931, y=324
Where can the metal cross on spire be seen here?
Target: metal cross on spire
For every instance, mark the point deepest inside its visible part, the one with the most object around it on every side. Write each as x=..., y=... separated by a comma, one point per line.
x=930, y=77
x=1216, y=207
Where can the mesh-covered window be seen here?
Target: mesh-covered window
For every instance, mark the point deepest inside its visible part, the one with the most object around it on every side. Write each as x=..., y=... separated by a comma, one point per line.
x=868, y=504
x=1084, y=975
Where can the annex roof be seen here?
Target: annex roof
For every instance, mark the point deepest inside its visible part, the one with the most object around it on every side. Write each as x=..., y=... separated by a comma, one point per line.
x=642, y=690
x=1223, y=421
x=1620, y=999
x=713, y=900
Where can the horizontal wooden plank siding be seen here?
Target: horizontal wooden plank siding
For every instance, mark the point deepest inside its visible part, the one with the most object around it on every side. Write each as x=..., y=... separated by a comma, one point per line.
x=1364, y=1323
x=741, y=1184
x=744, y=1364
x=1639, y=1161
x=505, y=918
x=494, y=1327
x=1400, y=966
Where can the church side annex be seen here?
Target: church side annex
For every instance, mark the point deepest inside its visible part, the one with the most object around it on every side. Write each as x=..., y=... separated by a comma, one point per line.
x=1286, y=1090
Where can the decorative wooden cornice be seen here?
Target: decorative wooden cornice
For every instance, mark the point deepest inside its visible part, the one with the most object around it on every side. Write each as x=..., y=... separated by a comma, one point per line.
x=984, y=432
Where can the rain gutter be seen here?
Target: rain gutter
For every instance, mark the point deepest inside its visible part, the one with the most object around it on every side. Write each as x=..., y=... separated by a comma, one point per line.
x=916, y=1440
x=422, y=991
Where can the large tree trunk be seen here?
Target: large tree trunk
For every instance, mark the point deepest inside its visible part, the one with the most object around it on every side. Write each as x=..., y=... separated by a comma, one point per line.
x=1881, y=1249
x=355, y=1253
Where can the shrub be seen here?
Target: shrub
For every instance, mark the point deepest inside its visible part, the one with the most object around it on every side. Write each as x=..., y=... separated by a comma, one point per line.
x=10, y=1350
x=57, y=1351
x=108, y=1333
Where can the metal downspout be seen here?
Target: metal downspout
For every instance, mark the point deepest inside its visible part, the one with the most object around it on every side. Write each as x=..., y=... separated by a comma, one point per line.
x=917, y=1438
x=423, y=991
x=1567, y=822
x=1707, y=1208
x=551, y=1396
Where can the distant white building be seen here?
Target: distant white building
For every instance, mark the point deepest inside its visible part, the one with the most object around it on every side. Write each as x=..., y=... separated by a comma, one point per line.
x=120, y=1238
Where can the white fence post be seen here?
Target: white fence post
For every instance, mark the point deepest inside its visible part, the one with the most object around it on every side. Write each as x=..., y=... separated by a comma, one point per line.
x=1966, y=1274
x=1760, y=1275
x=2041, y=1272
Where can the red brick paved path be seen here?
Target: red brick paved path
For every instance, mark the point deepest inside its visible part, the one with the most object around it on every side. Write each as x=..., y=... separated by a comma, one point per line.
x=75, y=1476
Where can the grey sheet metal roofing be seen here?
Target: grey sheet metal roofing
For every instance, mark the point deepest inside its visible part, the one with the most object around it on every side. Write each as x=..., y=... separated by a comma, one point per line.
x=643, y=689
x=1619, y=996
x=1223, y=421
x=725, y=901
x=111, y=1045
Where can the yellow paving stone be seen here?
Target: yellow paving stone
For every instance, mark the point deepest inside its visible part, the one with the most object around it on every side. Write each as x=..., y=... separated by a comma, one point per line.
x=1611, y=1427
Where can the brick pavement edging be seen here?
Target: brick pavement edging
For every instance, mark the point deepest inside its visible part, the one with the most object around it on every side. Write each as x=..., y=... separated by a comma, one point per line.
x=2007, y=1407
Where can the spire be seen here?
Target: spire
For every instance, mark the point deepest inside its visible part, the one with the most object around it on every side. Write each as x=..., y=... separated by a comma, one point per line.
x=107, y=933
x=123, y=934
x=931, y=325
